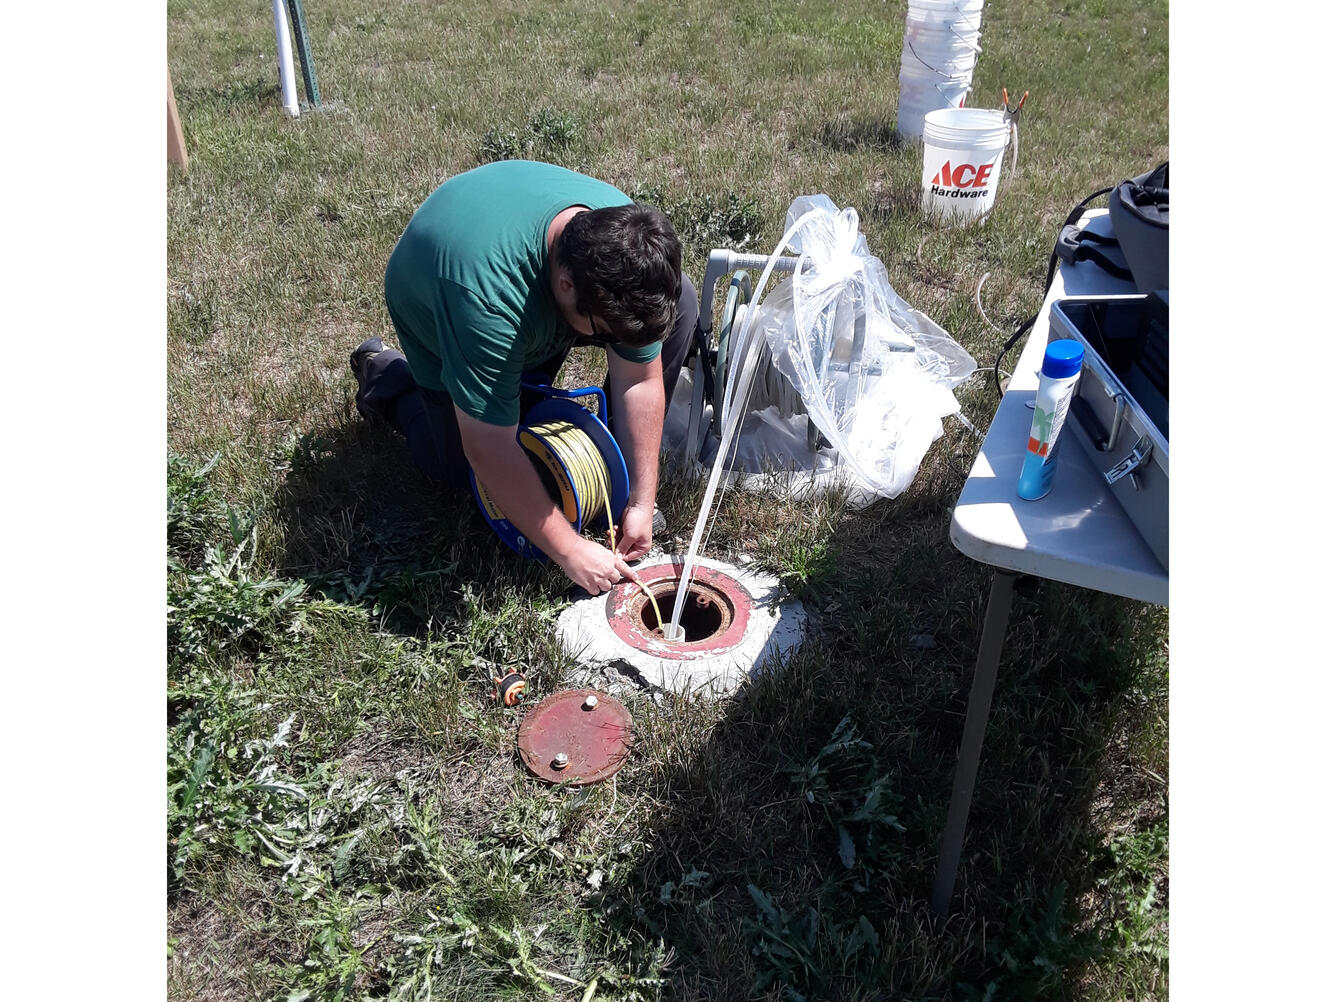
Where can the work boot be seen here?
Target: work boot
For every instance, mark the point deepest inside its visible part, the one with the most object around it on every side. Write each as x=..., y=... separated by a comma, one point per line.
x=357, y=361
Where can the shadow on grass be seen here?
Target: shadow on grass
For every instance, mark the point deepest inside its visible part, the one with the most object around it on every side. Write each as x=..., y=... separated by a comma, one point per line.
x=801, y=834
x=362, y=526
x=248, y=94
x=352, y=501
x=900, y=204
x=359, y=517
x=849, y=135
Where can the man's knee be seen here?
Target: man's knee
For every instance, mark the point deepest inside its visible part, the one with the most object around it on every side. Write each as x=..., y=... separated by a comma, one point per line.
x=678, y=342
x=688, y=306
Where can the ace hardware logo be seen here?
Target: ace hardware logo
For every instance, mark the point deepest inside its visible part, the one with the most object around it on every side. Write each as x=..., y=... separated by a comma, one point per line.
x=962, y=181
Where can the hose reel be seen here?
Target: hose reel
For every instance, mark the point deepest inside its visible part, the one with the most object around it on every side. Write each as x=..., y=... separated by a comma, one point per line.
x=577, y=459
x=770, y=387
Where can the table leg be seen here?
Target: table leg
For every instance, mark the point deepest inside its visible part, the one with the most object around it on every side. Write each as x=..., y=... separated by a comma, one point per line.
x=971, y=743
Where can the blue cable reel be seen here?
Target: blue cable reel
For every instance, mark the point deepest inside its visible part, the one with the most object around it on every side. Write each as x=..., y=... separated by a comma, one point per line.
x=555, y=468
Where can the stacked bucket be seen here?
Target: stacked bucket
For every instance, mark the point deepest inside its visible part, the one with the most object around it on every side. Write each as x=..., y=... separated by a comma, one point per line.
x=937, y=62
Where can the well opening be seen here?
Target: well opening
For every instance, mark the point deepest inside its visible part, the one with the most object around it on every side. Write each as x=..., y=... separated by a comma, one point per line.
x=706, y=614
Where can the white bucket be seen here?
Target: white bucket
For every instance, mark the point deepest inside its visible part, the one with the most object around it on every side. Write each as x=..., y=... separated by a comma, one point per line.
x=935, y=38
x=937, y=59
x=920, y=95
x=962, y=8
x=945, y=15
x=962, y=158
x=965, y=28
x=955, y=65
x=934, y=92
x=946, y=25
x=918, y=49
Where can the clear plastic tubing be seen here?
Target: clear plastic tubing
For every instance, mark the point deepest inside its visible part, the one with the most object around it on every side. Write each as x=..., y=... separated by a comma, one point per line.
x=733, y=402
x=1057, y=383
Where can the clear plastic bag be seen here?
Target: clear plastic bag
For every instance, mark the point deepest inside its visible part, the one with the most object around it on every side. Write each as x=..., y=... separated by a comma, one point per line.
x=875, y=376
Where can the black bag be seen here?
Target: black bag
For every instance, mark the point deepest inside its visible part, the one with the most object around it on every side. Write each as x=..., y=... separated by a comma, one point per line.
x=1138, y=251
x=1139, y=212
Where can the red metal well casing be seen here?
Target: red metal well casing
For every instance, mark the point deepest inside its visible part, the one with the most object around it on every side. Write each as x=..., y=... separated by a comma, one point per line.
x=626, y=601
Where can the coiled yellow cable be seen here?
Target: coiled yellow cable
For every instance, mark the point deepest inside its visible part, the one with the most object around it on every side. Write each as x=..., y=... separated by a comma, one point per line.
x=573, y=450
x=559, y=444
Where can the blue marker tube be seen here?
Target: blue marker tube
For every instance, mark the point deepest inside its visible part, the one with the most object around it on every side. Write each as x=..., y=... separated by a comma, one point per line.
x=1057, y=383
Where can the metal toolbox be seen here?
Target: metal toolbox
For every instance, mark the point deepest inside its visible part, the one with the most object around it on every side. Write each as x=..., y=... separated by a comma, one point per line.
x=1120, y=412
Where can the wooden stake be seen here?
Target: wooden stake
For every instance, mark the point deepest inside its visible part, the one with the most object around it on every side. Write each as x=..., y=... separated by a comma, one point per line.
x=176, y=140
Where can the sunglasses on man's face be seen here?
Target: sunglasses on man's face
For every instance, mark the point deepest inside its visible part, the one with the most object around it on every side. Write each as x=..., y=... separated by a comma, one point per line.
x=604, y=337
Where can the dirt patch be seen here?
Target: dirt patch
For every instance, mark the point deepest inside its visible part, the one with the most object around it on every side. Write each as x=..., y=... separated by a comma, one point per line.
x=383, y=759
x=476, y=785
x=217, y=950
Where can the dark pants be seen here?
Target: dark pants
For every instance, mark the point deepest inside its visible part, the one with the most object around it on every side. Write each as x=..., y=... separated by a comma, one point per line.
x=426, y=418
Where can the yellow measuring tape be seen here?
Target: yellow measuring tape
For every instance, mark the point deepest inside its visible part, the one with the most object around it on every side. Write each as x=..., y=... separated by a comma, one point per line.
x=561, y=446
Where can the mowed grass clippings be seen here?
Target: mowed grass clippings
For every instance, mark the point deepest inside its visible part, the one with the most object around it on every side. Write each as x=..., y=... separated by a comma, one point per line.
x=346, y=815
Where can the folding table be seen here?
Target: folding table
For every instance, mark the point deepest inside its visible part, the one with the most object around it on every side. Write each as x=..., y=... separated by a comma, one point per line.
x=1078, y=534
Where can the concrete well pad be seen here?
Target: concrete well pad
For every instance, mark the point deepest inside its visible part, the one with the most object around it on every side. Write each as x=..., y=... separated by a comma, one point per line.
x=736, y=619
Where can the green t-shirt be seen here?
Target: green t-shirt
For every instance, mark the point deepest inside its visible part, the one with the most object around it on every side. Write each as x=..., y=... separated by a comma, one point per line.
x=468, y=283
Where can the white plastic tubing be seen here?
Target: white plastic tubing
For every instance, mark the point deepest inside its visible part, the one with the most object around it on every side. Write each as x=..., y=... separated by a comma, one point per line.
x=285, y=76
x=734, y=405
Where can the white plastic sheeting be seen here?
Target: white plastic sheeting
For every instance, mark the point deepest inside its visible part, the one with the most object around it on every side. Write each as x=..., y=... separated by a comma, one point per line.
x=880, y=404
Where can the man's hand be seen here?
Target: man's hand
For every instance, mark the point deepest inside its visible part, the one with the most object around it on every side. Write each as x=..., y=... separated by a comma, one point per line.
x=593, y=567
x=509, y=477
x=636, y=533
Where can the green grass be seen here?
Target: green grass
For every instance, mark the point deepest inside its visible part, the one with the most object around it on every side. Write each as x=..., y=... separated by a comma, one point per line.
x=346, y=818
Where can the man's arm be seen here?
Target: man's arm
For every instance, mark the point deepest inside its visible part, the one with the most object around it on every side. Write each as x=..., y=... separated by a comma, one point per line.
x=636, y=406
x=510, y=479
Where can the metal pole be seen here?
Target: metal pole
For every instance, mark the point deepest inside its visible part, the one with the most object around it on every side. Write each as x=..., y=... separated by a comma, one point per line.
x=304, y=51
x=971, y=743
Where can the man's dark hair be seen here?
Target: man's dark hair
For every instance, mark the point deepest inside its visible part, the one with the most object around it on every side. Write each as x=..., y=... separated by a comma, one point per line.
x=626, y=263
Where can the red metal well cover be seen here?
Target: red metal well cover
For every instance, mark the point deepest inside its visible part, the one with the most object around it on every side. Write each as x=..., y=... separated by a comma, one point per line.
x=595, y=740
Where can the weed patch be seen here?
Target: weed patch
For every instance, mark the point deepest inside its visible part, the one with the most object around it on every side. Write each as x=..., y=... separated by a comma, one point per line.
x=195, y=514
x=550, y=135
x=225, y=792
x=705, y=220
x=853, y=798
x=223, y=603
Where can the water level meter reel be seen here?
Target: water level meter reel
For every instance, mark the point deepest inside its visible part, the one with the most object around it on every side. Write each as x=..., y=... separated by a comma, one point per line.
x=711, y=363
x=577, y=459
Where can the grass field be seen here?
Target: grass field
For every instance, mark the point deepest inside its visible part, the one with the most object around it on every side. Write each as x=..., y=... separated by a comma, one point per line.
x=345, y=816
